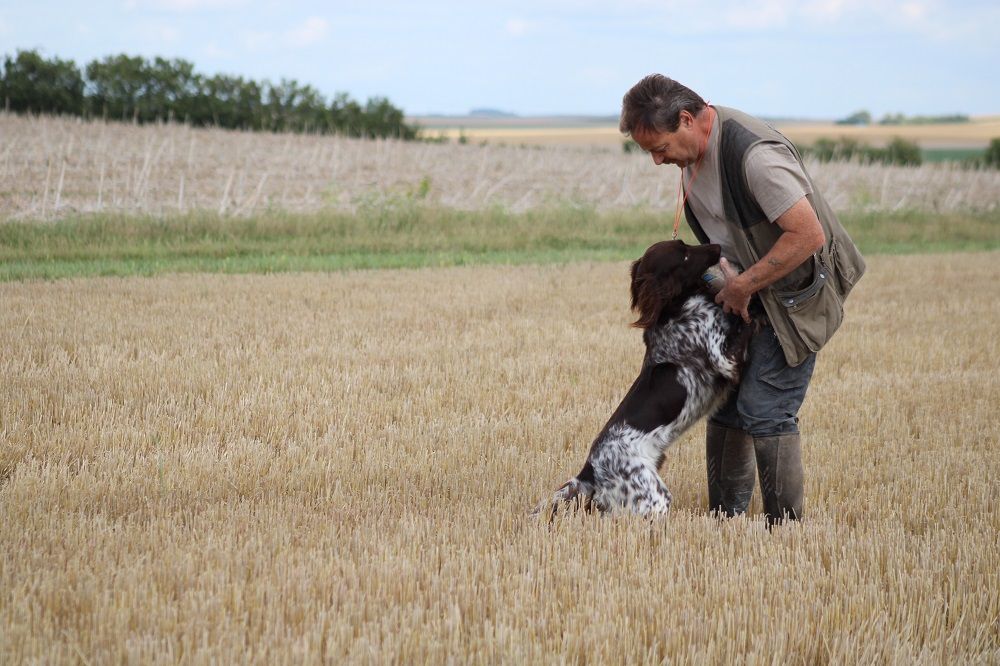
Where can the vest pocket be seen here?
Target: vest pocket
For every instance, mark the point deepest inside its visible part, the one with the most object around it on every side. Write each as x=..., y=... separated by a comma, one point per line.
x=815, y=312
x=844, y=272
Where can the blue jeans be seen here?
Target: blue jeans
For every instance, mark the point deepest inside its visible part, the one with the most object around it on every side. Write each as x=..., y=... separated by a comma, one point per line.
x=767, y=400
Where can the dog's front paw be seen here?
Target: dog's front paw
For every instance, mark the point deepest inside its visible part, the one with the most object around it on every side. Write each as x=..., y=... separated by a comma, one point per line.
x=573, y=494
x=545, y=508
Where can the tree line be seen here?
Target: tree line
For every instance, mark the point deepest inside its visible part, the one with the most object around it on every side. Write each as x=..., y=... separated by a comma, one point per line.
x=135, y=89
x=864, y=117
x=898, y=151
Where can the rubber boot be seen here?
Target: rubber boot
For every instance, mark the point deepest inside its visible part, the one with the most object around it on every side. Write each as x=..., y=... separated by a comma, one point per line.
x=779, y=460
x=729, y=457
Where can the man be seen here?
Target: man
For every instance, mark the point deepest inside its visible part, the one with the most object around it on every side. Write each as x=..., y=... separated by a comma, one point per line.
x=746, y=189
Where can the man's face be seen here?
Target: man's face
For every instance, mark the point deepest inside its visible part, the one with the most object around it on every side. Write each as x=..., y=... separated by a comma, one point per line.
x=680, y=147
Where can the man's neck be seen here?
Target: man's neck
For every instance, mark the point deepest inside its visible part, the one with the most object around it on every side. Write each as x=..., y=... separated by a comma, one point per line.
x=705, y=120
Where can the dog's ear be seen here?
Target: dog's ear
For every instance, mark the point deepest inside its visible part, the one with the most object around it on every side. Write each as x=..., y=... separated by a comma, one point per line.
x=650, y=294
x=635, y=282
x=643, y=299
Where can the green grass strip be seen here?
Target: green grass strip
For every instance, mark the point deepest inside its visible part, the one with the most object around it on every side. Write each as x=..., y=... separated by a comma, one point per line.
x=396, y=236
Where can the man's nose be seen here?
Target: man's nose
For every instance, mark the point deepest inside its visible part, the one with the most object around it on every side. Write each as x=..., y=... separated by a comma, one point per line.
x=657, y=159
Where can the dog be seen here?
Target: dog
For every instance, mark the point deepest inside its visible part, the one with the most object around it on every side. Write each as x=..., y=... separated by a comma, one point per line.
x=694, y=353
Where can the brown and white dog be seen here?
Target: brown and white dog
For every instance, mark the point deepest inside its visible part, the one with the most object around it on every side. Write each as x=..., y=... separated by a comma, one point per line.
x=694, y=352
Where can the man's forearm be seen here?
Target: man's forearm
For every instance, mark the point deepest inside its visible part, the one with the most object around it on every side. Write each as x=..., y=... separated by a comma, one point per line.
x=788, y=253
x=801, y=235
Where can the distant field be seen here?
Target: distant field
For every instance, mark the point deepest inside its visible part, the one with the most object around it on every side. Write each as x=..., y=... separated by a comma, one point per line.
x=58, y=168
x=975, y=134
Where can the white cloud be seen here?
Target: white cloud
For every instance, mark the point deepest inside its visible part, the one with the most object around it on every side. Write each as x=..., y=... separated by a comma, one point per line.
x=767, y=14
x=516, y=27
x=213, y=50
x=158, y=32
x=913, y=11
x=257, y=40
x=599, y=75
x=929, y=18
x=826, y=10
x=941, y=23
x=167, y=33
x=313, y=30
x=182, y=5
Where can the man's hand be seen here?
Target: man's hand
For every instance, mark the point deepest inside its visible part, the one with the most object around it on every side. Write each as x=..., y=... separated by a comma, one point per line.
x=735, y=295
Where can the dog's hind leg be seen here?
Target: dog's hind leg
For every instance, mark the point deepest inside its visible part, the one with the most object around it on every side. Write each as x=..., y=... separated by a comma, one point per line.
x=638, y=490
x=651, y=497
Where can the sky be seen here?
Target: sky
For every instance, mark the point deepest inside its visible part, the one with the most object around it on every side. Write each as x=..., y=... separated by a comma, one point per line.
x=821, y=59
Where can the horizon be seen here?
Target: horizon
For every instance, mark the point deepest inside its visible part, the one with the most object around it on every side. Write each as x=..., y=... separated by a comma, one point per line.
x=554, y=58
x=501, y=115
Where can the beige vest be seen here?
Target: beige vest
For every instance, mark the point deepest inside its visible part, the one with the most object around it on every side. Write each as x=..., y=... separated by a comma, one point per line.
x=806, y=306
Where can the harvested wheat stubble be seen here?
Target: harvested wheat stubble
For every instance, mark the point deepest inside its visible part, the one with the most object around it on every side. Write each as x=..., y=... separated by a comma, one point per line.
x=291, y=468
x=54, y=167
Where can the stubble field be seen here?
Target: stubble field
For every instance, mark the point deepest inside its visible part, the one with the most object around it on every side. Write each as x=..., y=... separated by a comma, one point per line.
x=52, y=168
x=325, y=467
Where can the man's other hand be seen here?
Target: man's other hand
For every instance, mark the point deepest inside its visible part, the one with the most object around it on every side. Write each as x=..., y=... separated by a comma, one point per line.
x=735, y=296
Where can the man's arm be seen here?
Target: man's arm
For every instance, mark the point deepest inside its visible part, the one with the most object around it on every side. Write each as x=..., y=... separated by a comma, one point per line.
x=802, y=236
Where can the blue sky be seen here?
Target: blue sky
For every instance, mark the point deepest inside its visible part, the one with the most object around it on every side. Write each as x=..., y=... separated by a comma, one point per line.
x=779, y=58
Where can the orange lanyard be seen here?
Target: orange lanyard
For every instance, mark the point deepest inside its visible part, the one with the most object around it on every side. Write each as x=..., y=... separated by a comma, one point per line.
x=682, y=201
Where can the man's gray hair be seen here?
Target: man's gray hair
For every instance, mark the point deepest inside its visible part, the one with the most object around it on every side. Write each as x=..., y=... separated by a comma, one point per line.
x=655, y=103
